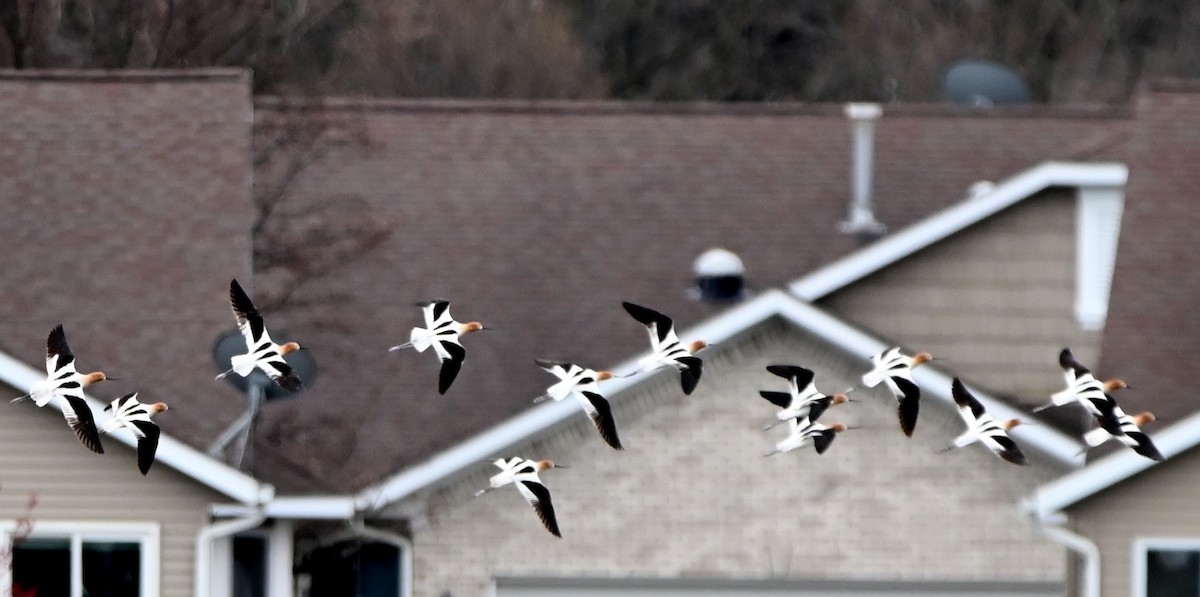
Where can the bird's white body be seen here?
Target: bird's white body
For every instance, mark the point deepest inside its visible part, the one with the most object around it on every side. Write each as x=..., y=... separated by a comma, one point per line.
x=572, y=378
x=1115, y=423
x=442, y=333
x=583, y=384
x=894, y=369
x=64, y=385
x=523, y=474
x=982, y=428
x=665, y=348
x=261, y=351
x=128, y=413
x=802, y=432
x=888, y=365
x=1082, y=387
x=802, y=400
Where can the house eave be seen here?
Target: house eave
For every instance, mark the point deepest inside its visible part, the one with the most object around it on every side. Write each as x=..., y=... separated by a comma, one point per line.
x=722, y=328
x=1051, y=499
x=937, y=227
x=171, y=452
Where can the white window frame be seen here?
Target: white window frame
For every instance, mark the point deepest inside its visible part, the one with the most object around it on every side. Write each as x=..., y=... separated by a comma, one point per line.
x=145, y=534
x=1142, y=547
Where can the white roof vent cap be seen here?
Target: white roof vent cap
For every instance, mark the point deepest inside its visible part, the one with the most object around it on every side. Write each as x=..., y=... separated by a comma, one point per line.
x=719, y=275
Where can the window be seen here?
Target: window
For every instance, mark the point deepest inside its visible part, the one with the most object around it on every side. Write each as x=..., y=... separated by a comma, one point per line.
x=359, y=567
x=249, y=565
x=1167, y=568
x=61, y=559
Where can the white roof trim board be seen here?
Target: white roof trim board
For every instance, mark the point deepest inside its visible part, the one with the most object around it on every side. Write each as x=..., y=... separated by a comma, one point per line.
x=722, y=328
x=777, y=303
x=171, y=452
x=958, y=217
x=1051, y=498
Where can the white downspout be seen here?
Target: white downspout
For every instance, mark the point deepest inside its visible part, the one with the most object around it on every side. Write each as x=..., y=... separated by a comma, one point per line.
x=280, y=581
x=1052, y=526
x=203, y=572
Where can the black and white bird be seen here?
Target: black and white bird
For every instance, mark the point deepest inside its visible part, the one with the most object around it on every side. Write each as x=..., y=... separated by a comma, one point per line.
x=666, y=349
x=130, y=414
x=441, y=332
x=1082, y=386
x=802, y=432
x=523, y=473
x=802, y=400
x=894, y=369
x=982, y=428
x=1115, y=424
x=583, y=384
x=66, y=385
x=262, y=352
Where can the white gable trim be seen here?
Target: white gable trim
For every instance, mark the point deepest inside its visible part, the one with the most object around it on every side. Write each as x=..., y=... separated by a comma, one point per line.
x=1076, y=486
x=722, y=328
x=171, y=452
x=956, y=218
x=1097, y=228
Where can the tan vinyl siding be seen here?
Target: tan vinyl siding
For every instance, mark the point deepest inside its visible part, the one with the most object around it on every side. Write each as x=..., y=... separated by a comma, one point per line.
x=693, y=496
x=1159, y=503
x=996, y=300
x=43, y=457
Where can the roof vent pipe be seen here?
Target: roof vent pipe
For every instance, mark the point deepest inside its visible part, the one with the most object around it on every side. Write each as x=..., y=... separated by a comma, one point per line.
x=862, y=139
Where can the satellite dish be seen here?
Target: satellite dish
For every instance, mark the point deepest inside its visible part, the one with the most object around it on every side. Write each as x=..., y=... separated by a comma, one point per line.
x=232, y=343
x=984, y=83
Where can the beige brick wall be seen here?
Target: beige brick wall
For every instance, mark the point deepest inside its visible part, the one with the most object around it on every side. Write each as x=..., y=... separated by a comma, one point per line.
x=996, y=300
x=692, y=496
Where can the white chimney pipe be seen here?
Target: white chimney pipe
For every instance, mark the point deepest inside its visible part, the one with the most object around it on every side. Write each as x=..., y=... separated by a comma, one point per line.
x=862, y=129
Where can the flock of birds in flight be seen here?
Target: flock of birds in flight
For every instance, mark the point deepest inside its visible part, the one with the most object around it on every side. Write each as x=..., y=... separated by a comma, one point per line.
x=799, y=407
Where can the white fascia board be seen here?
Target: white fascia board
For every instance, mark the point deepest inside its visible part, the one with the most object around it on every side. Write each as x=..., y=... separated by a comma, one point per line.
x=304, y=507
x=491, y=443
x=1055, y=444
x=772, y=303
x=954, y=219
x=171, y=452
x=1051, y=498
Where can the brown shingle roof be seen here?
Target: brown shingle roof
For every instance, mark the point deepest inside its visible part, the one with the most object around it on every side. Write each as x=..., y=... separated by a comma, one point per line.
x=1153, y=331
x=540, y=218
x=126, y=197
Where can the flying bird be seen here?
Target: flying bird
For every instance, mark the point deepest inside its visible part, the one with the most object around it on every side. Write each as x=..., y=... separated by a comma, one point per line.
x=666, y=349
x=894, y=369
x=523, y=473
x=1115, y=424
x=130, y=414
x=441, y=332
x=803, y=433
x=982, y=428
x=802, y=400
x=262, y=352
x=583, y=383
x=1082, y=386
x=65, y=383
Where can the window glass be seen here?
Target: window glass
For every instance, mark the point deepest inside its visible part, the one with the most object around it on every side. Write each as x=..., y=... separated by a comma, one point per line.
x=42, y=567
x=1172, y=573
x=249, y=566
x=355, y=569
x=111, y=569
